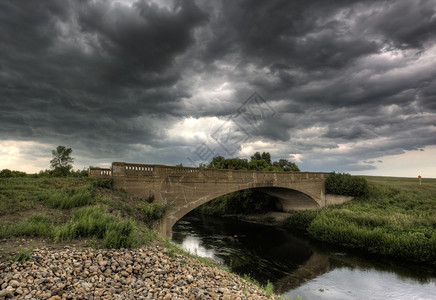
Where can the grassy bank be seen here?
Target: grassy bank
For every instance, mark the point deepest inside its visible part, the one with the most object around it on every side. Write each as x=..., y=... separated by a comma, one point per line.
x=67, y=209
x=57, y=212
x=397, y=218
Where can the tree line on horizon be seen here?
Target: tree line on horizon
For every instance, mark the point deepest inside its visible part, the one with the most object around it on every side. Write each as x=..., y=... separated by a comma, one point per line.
x=61, y=165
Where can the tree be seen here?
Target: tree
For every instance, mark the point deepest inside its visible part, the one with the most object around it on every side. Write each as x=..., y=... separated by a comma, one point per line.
x=61, y=164
x=266, y=157
x=285, y=165
x=258, y=162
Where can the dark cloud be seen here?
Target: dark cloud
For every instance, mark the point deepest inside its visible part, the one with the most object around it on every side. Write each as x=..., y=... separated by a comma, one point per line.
x=402, y=24
x=87, y=69
x=114, y=80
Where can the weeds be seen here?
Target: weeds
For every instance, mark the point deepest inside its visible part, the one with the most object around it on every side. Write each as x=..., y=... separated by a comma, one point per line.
x=94, y=222
x=68, y=198
x=268, y=288
x=23, y=255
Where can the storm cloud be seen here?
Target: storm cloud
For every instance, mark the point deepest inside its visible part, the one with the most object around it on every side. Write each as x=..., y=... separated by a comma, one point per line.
x=340, y=83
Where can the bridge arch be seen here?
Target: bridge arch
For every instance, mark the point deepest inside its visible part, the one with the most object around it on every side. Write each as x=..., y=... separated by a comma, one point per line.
x=183, y=189
x=289, y=200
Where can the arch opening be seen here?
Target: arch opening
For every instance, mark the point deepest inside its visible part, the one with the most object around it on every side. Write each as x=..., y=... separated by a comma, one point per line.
x=286, y=200
x=290, y=199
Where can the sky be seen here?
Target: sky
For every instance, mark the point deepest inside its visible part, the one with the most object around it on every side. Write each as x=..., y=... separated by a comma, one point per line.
x=345, y=86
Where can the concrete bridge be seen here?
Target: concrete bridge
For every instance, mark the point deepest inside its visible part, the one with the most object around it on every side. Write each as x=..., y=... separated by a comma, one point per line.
x=182, y=189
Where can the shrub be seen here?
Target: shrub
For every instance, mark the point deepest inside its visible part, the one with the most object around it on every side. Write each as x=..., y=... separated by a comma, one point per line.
x=347, y=185
x=152, y=211
x=302, y=219
x=6, y=173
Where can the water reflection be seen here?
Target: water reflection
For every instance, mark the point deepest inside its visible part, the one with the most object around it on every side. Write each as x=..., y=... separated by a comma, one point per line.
x=347, y=283
x=316, y=265
x=264, y=252
x=192, y=244
x=297, y=267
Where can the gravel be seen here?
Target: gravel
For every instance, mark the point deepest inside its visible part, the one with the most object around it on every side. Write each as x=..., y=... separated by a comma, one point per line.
x=145, y=273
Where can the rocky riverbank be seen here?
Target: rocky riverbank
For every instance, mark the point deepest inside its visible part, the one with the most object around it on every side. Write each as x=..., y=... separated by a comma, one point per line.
x=152, y=272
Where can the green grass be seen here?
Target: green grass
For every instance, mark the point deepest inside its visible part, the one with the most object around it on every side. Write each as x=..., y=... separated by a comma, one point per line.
x=96, y=222
x=37, y=225
x=75, y=208
x=268, y=288
x=398, y=218
x=17, y=194
x=67, y=198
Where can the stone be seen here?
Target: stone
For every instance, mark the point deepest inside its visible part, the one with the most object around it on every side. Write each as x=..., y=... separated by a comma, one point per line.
x=189, y=278
x=14, y=283
x=128, y=274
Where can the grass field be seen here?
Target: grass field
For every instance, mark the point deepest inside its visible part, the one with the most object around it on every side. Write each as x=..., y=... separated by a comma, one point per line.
x=398, y=218
x=67, y=209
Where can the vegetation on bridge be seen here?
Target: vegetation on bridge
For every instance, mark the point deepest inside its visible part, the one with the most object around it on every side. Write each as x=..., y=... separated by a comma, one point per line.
x=246, y=201
x=396, y=218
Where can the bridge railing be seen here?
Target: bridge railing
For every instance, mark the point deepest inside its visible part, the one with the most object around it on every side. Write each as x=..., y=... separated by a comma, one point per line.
x=99, y=172
x=121, y=169
x=180, y=171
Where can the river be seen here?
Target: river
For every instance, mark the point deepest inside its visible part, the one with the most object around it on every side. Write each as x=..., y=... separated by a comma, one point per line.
x=299, y=267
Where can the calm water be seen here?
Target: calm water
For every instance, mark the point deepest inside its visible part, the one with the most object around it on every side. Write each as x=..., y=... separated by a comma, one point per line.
x=298, y=267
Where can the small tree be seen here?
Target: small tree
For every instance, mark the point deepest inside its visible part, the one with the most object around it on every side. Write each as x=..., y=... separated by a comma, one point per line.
x=61, y=164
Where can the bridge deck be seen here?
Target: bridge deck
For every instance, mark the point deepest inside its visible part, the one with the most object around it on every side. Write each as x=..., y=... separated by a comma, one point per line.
x=121, y=169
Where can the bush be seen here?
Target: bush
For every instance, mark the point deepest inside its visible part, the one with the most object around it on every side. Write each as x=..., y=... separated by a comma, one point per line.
x=79, y=173
x=347, y=185
x=302, y=219
x=6, y=173
x=152, y=211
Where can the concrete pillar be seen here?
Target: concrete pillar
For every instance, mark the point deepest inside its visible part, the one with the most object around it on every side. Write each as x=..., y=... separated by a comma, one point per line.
x=230, y=175
x=118, y=169
x=158, y=178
